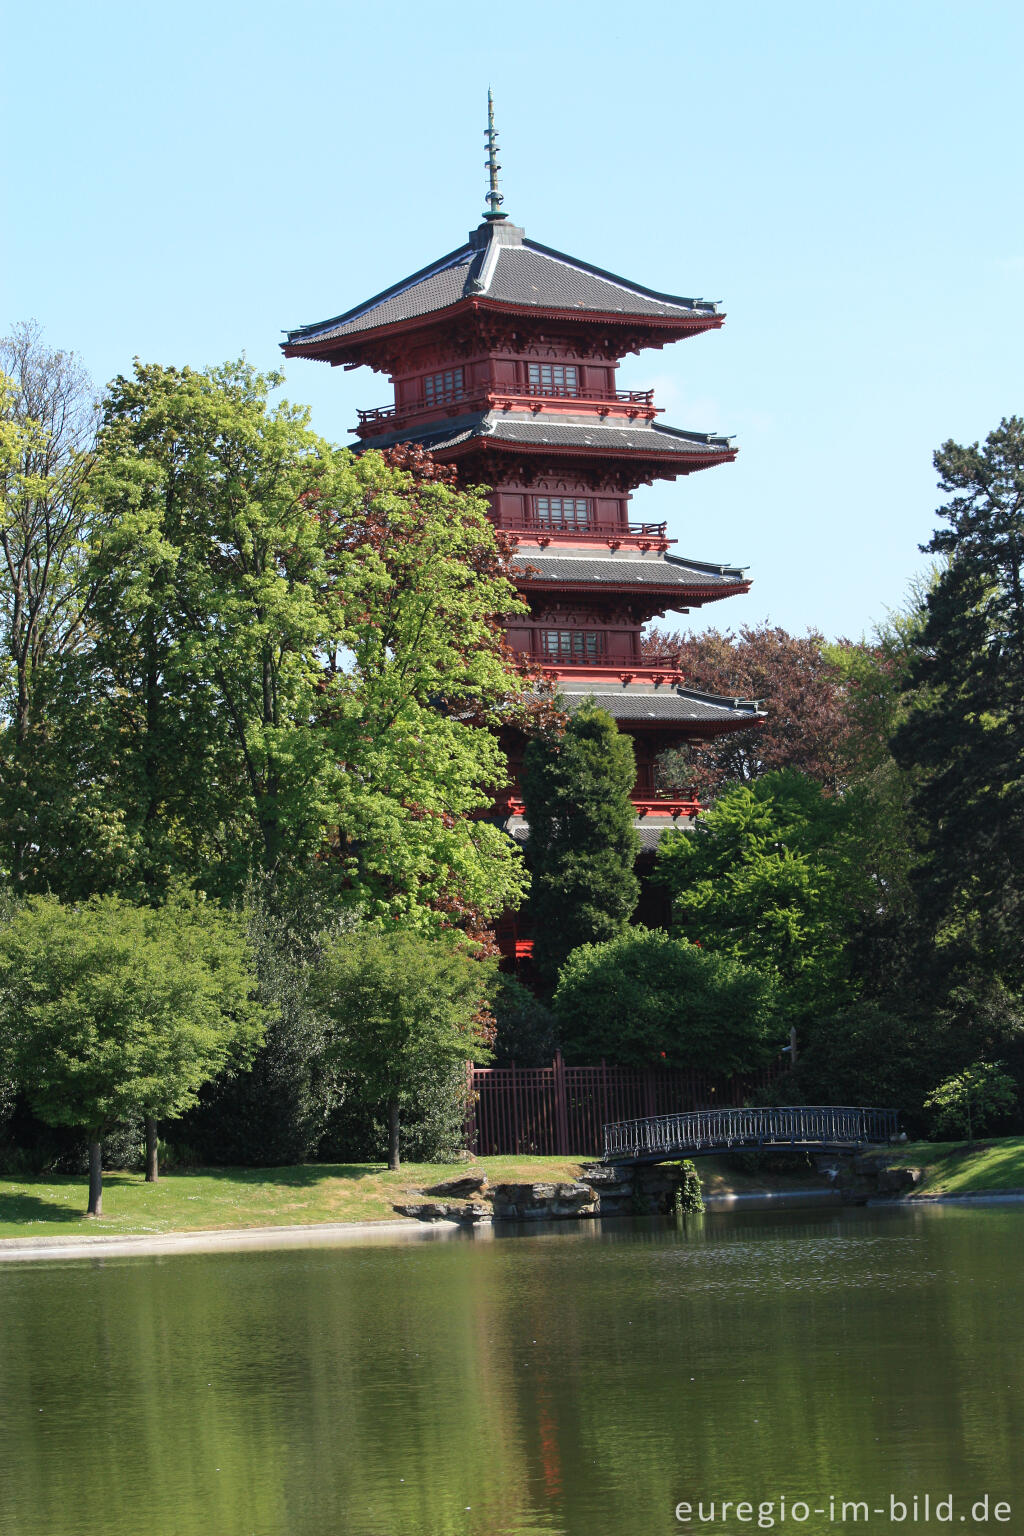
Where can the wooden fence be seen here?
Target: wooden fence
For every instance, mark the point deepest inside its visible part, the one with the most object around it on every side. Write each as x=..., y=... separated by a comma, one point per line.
x=560, y=1110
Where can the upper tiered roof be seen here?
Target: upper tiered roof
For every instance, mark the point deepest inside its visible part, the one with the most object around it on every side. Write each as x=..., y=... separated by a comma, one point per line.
x=499, y=266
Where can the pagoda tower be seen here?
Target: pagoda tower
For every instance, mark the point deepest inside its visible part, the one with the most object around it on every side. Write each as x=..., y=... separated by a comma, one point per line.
x=503, y=355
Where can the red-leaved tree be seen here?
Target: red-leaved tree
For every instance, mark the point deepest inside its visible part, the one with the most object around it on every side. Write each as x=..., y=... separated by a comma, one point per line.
x=807, y=687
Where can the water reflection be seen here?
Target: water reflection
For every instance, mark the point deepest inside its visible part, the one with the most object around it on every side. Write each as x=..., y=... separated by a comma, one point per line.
x=583, y=1380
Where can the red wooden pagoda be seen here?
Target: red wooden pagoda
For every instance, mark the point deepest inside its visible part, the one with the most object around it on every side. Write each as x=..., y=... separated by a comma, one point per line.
x=503, y=355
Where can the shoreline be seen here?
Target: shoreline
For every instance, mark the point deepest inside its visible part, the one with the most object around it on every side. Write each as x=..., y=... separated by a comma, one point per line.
x=337, y=1233
x=214, y=1239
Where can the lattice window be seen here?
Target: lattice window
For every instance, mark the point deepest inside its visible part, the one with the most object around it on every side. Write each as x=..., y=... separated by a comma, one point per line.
x=563, y=511
x=553, y=379
x=572, y=645
x=443, y=388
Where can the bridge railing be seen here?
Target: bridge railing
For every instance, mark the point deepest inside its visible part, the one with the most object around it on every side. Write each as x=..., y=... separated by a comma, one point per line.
x=707, y=1129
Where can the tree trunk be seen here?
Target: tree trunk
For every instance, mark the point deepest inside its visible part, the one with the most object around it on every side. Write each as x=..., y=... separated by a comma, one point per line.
x=152, y=1158
x=95, y=1179
x=393, y=1158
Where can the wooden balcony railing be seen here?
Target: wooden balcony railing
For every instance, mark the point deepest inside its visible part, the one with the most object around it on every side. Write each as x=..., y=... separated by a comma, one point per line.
x=538, y=529
x=563, y=392
x=489, y=393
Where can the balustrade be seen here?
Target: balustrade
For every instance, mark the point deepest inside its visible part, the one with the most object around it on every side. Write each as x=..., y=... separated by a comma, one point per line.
x=711, y=1129
x=491, y=392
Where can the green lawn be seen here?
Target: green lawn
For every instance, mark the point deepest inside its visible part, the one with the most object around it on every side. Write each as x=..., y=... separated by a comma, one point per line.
x=54, y=1206
x=310, y=1193
x=950, y=1168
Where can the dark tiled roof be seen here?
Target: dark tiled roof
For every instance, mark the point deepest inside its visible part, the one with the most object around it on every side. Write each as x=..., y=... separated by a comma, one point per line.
x=653, y=570
x=652, y=832
x=535, y=274
x=498, y=263
x=540, y=431
x=670, y=706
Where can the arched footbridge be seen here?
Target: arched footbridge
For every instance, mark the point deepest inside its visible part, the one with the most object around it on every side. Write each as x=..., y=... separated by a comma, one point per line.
x=706, y=1131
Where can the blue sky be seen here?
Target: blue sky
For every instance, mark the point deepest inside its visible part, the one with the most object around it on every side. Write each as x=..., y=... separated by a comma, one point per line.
x=184, y=183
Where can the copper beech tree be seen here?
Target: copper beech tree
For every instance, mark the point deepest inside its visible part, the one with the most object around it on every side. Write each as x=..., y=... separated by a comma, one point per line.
x=818, y=698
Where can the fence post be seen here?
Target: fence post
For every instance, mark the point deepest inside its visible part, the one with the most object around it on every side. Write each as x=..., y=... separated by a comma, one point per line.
x=561, y=1107
x=472, y=1129
x=515, y=1112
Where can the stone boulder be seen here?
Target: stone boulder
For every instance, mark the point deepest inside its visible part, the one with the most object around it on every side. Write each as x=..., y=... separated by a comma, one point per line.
x=473, y=1213
x=465, y=1187
x=539, y=1202
x=605, y=1175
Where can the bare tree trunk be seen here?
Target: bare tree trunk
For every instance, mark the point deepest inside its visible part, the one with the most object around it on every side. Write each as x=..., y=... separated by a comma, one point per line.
x=95, y=1179
x=393, y=1158
x=152, y=1157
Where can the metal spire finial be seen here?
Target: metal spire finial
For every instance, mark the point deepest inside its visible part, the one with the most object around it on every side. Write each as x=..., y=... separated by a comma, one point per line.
x=494, y=197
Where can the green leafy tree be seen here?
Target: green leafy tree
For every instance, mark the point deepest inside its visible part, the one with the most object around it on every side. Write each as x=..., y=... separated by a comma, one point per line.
x=885, y=1052
x=216, y=611
x=48, y=517
x=404, y=1009
x=110, y=1011
x=278, y=1111
x=583, y=840
x=304, y=653
x=962, y=738
x=420, y=680
x=772, y=877
x=971, y=1099
x=644, y=998
x=526, y=1030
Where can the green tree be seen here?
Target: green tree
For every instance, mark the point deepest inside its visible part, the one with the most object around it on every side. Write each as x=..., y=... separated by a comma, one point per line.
x=277, y=1112
x=971, y=1099
x=772, y=876
x=304, y=653
x=216, y=612
x=404, y=1009
x=48, y=517
x=583, y=840
x=962, y=738
x=525, y=1028
x=885, y=1053
x=644, y=998
x=420, y=681
x=109, y=1011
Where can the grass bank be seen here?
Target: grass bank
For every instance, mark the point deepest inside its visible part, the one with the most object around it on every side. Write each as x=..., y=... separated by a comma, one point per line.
x=215, y=1198
x=54, y=1205
x=953, y=1168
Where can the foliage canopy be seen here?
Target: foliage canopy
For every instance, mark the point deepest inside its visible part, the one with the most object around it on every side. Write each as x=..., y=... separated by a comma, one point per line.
x=110, y=1011
x=583, y=842
x=644, y=998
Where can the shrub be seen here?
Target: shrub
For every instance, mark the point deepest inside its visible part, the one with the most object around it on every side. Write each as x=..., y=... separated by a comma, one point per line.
x=645, y=998
x=526, y=1029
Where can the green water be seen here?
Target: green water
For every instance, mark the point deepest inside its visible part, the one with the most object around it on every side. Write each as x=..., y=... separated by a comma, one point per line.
x=577, y=1381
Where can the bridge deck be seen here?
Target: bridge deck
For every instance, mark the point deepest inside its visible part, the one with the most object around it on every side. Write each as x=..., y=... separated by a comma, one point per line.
x=706, y=1131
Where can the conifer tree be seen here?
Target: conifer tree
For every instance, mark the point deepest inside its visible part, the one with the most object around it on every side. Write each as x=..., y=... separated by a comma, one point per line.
x=964, y=737
x=583, y=842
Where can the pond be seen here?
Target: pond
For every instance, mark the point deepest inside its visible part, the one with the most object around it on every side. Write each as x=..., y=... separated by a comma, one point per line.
x=587, y=1379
